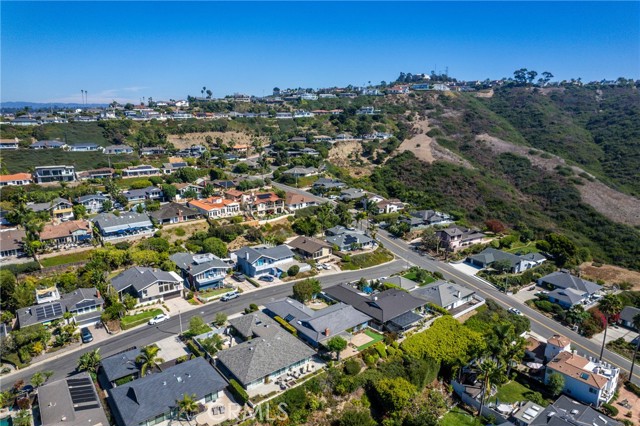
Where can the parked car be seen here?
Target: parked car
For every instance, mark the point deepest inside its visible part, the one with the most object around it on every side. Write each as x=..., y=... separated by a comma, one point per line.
x=515, y=311
x=230, y=296
x=239, y=276
x=158, y=319
x=267, y=278
x=86, y=335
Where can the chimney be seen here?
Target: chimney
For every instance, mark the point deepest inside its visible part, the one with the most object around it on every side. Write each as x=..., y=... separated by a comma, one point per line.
x=458, y=294
x=326, y=331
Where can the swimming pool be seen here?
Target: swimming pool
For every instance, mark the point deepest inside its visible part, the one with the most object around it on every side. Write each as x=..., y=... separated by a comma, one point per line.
x=7, y=421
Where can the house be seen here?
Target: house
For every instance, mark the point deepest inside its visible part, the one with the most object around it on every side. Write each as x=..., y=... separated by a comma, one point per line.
x=392, y=310
x=627, y=317
x=267, y=203
x=215, y=207
x=445, y=294
x=118, y=149
x=317, y=326
x=225, y=184
x=398, y=90
x=142, y=170
x=85, y=147
x=66, y=233
x=294, y=201
x=174, y=213
x=201, y=271
x=322, y=138
x=129, y=224
x=588, y=380
x=120, y=366
x=150, y=193
x=153, y=150
x=389, y=206
x=84, y=304
x=93, y=203
x=564, y=280
x=456, y=237
x=58, y=208
x=235, y=195
x=257, y=261
x=9, y=144
x=298, y=172
x=148, y=284
x=568, y=297
x=401, y=282
x=556, y=344
x=311, y=248
x=169, y=168
x=270, y=353
x=47, y=174
x=12, y=243
x=347, y=240
x=48, y=145
x=24, y=121
x=72, y=401
x=188, y=190
x=326, y=184
x=350, y=194
x=16, y=179
x=152, y=399
x=488, y=256
x=102, y=173
x=367, y=110
x=425, y=218
x=564, y=412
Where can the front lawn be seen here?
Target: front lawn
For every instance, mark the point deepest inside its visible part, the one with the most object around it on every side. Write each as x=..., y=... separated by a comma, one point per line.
x=413, y=276
x=366, y=260
x=213, y=292
x=458, y=417
x=140, y=318
x=522, y=248
x=375, y=336
x=513, y=392
x=65, y=258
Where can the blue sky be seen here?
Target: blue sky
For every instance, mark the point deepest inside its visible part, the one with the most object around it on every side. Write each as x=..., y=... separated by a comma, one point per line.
x=127, y=50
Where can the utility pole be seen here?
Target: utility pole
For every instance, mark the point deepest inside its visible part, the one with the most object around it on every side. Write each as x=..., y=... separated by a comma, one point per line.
x=180, y=319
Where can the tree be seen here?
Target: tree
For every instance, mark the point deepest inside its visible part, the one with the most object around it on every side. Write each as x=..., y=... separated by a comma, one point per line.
x=197, y=326
x=495, y=226
x=293, y=270
x=394, y=393
x=221, y=319
x=23, y=418
x=304, y=290
x=555, y=384
x=79, y=211
x=356, y=418
x=610, y=305
x=429, y=240
x=212, y=344
x=89, y=361
x=336, y=344
x=7, y=287
x=576, y=315
x=216, y=246
x=148, y=358
x=129, y=301
x=502, y=266
x=531, y=75
x=188, y=405
x=488, y=370
x=520, y=76
x=169, y=191
x=636, y=324
x=38, y=380
x=561, y=248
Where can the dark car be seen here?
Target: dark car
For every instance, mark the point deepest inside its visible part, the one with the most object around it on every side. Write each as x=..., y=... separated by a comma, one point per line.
x=267, y=278
x=86, y=335
x=239, y=276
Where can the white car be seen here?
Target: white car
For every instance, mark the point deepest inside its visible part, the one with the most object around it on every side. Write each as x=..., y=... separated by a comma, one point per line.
x=515, y=311
x=158, y=319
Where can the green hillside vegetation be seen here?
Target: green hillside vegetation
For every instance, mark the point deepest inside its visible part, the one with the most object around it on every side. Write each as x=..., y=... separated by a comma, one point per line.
x=25, y=160
x=72, y=133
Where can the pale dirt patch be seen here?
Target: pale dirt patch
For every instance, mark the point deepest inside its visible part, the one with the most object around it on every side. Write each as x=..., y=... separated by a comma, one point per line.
x=610, y=274
x=343, y=153
x=428, y=150
x=228, y=138
x=190, y=228
x=613, y=204
x=485, y=94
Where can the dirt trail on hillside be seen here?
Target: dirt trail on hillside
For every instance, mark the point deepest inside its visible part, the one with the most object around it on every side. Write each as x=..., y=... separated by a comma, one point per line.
x=427, y=149
x=344, y=153
x=228, y=138
x=613, y=204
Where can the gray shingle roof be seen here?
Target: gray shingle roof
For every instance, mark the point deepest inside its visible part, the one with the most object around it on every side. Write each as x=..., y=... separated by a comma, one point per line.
x=75, y=298
x=262, y=356
x=629, y=313
x=490, y=255
x=197, y=262
x=442, y=293
x=172, y=210
x=40, y=207
x=314, y=324
x=141, y=278
x=251, y=254
x=108, y=222
x=401, y=282
x=349, y=238
x=569, y=412
x=155, y=394
x=569, y=295
x=255, y=324
x=84, y=198
x=307, y=244
x=120, y=365
x=566, y=280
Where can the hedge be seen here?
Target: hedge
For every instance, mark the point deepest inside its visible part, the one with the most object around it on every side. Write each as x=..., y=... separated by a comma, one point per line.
x=612, y=411
x=193, y=348
x=291, y=329
x=438, y=309
x=238, y=392
x=253, y=282
x=632, y=387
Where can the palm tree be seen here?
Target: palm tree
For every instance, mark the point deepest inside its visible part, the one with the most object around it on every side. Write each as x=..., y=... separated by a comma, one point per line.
x=636, y=324
x=514, y=352
x=187, y=405
x=610, y=305
x=488, y=371
x=89, y=361
x=148, y=358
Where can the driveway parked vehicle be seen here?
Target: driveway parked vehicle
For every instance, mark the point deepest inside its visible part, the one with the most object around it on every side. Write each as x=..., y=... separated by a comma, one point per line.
x=86, y=335
x=267, y=278
x=239, y=276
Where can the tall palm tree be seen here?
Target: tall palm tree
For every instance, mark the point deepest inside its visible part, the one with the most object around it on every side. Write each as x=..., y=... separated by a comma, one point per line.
x=636, y=324
x=610, y=305
x=488, y=371
x=187, y=405
x=514, y=352
x=148, y=358
x=89, y=361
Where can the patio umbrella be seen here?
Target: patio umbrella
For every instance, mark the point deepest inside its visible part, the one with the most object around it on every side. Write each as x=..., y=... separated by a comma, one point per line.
x=534, y=365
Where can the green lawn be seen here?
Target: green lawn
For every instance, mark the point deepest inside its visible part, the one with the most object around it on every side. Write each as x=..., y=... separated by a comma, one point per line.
x=367, y=260
x=375, y=336
x=65, y=258
x=413, y=277
x=140, y=318
x=213, y=292
x=522, y=248
x=458, y=417
x=512, y=392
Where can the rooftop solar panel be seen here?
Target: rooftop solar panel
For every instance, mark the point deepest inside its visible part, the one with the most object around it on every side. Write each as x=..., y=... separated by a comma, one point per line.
x=85, y=304
x=86, y=407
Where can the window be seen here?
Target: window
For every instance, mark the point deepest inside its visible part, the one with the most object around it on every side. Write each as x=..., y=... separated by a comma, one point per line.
x=593, y=390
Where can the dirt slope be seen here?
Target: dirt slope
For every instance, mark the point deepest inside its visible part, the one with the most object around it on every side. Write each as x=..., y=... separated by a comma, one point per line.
x=228, y=138
x=613, y=204
x=428, y=150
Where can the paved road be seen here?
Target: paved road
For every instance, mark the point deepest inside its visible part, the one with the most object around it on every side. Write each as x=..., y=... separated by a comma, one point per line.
x=144, y=335
x=540, y=324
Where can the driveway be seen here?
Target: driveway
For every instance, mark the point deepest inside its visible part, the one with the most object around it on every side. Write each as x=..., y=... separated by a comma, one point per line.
x=614, y=333
x=465, y=268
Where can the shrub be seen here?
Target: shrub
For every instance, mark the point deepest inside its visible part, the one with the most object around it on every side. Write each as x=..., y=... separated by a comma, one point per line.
x=381, y=350
x=291, y=329
x=293, y=270
x=632, y=387
x=610, y=409
x=438, y=275
x=352, y=367
x=238, y=392
x=193, y=348
x=180, y=232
